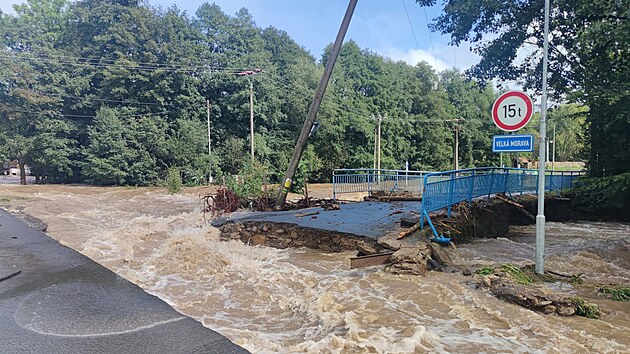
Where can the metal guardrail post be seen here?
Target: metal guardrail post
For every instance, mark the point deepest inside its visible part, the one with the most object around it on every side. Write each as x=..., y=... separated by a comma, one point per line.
x=369, y=186
x=422, y=183
x=424, y=201
x=450, y=193
x=472, y=186
x=507, y=179
x=491, y=184
x=333, y=186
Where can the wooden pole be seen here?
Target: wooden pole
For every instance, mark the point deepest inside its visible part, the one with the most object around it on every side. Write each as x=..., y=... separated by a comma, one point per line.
x=208, y=117
x=251, y=119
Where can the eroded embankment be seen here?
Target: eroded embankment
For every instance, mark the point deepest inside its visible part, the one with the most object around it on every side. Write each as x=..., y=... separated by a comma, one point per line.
x=284, y=235
x=415, y=254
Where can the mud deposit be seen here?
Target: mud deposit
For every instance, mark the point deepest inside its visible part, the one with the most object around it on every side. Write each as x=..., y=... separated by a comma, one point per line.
x=301, y=300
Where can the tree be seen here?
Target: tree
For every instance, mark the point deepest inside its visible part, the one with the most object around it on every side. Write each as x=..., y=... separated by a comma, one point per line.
x=588, y=58
x=107, y=155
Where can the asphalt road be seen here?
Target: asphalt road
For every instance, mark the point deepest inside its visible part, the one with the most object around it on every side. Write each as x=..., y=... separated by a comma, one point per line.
x=63, y=302
x=366, y=219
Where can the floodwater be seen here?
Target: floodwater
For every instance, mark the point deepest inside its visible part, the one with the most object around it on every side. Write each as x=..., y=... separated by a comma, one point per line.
x=298, y=300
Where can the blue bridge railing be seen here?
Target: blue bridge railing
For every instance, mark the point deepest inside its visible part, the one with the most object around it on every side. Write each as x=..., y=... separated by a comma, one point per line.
x=443, y=189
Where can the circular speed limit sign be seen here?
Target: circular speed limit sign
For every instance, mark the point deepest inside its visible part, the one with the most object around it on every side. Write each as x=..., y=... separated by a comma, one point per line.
x=512, y=111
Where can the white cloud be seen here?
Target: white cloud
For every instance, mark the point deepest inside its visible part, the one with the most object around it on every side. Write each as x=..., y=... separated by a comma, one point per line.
x=7, y=5
x=445, y=56
x=414, y=56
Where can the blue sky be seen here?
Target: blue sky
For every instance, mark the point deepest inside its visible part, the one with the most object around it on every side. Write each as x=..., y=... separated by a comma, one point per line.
x=380, y=25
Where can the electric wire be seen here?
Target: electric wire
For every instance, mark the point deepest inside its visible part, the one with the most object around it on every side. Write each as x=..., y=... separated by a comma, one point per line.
x=426, y=18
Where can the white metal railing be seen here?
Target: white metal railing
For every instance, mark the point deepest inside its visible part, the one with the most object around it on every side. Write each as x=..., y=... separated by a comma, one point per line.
x=368, y=180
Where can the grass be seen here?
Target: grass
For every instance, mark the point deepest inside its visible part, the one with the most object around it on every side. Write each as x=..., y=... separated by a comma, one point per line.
x=585, y=309
x=4, y=199
x=618, y=293
x=485, y=271
x=517, y=274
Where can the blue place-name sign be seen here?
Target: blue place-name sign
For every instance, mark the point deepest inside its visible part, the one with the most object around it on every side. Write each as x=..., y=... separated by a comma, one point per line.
x=513, y=143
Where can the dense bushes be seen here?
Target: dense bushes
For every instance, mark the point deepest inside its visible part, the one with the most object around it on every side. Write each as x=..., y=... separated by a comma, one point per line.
x=603, y=197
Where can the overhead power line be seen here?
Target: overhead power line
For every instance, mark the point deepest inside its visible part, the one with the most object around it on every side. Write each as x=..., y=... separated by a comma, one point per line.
x=114, y=61
x=119, y=65
x=79, y=115
x=410, y=24
x=426, y=18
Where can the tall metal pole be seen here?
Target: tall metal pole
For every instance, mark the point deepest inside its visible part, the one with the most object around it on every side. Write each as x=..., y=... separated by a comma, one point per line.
x=312, y=111
x=378, y=144
x=375, y=140
x=540, y=218
x=251, y=118
x=456, y=147
x=553, y=152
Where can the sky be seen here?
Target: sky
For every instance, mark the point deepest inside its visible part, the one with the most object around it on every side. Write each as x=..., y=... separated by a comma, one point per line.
x=379, y=25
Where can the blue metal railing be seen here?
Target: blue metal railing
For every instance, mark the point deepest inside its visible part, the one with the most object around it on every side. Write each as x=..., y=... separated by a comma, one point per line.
x=443, y=189
x=370, y=180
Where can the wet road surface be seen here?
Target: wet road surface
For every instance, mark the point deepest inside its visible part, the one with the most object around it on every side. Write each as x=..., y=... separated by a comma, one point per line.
x=63, y=302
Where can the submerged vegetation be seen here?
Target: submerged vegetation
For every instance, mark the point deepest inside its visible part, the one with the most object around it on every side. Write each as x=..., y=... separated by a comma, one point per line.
x=586, y=309
x=485, y=271
x=617, y=293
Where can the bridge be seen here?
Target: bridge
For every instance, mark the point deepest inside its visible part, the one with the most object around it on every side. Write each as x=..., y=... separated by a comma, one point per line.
x=441, y=190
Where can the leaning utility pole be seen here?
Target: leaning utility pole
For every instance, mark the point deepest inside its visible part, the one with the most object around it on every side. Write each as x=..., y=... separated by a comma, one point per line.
x=312, y=112
x=251, y=118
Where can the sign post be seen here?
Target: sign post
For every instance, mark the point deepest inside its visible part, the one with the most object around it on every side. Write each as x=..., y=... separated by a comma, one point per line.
x=540, y=218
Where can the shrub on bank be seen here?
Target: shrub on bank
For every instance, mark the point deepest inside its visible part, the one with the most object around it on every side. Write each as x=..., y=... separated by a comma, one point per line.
x=603, y=197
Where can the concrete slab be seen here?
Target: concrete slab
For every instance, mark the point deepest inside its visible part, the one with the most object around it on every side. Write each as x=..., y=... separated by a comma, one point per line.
x=63, y=302
x=366, y=219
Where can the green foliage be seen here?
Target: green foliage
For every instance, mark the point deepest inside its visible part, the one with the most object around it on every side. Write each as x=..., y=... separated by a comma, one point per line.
x=617, y=293
x=607, y=197
x=586, y=309
x=173, y=181
x=587, y=63
x=577, y=278
x=517, y=273
x=249, y=183
x=485, y=271
x=139, y=106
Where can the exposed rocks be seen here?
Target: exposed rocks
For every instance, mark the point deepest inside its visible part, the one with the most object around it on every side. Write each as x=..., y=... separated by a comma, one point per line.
x=535, y=296
x=410, y=260
x=282, y=236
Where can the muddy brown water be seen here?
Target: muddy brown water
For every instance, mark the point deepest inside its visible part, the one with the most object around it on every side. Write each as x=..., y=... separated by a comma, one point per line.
x=298, y=300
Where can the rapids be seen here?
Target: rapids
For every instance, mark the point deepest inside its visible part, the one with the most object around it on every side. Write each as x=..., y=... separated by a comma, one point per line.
x=299, y=300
